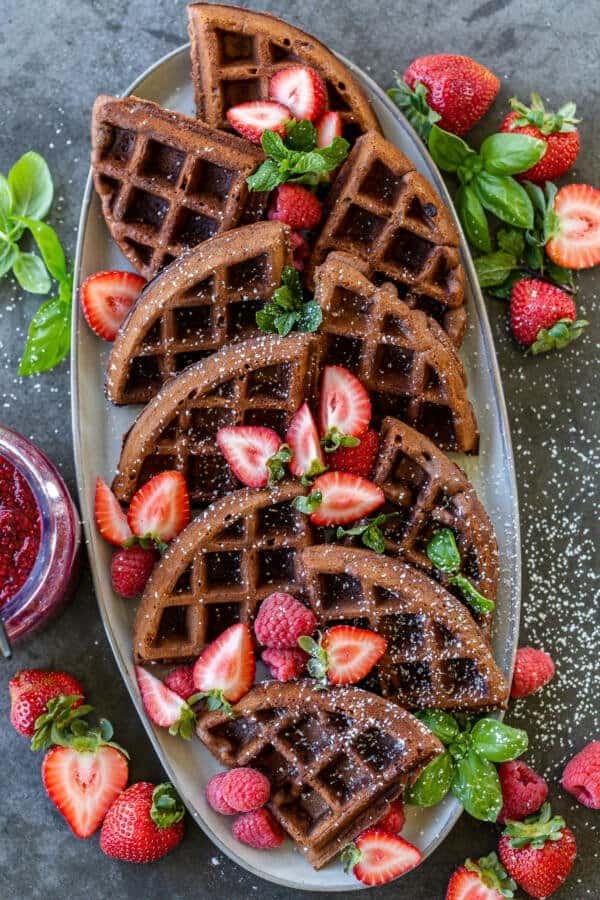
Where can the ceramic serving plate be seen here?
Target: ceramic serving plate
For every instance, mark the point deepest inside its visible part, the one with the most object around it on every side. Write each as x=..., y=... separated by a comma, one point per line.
x=98, y=429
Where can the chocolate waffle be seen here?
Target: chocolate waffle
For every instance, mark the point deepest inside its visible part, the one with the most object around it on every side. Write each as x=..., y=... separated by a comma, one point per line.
x=335, y=759
x=382, y=211
x=208, y=297
x=237, y=552
x=403, y=357
x=235, y=52
x=168, y=182
x=262, y=381
x=431, y=492
x=437, y=656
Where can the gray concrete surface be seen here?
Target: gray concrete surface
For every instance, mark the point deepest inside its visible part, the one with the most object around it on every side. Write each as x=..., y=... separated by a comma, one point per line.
x=54, y=58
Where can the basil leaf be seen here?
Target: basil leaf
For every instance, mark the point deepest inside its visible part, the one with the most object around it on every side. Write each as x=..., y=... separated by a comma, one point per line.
x=309, y=316
x=30, y=272
x=498, y=742
x=266, y=177
x=443, y=552
x=473, y=218
x=477, y=786
x=512, y=240
x=433, y=783
x=476, y=601
x=494, y=268
x=8, y=255
x=6, y=201
x=507, y=154
x=443, y=725
x=373, y=539
x=49, y=246
x=505, y=198
x=559, y=274
x=31, y=186
x=448, y=151
x=49, y=337
x=301, y=135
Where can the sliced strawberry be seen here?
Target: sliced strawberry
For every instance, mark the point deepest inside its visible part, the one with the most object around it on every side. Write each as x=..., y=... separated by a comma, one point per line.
x=303, y=438
x=481, y=880
x=83, y=785
x=344, y=498
x=328, y=127
x=164, y=706
x=161, y=508
x=110, y=518
x=577, y=244
x=344, y=409
x=106, y=298
x=226, y=668
x=301, y=89
x=252, y=119
x=351, y=653
x=377, y=857
x=248, y=449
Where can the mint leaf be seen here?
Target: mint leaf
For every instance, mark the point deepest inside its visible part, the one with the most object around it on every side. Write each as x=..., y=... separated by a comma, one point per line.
x=30, y=272
x=287, y=163
x=285, y=322
x=266, y=177
x=301, y=135
x=443, y=552
x=49, y=337
x=31, y=186
x=265, y=318
x=290, y=278
x=273, y=146
x=335, y=153
x=309, y=316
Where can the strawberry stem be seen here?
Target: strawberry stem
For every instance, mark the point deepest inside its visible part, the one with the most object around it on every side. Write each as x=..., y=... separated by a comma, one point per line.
x=535, y=830
x=167, y=808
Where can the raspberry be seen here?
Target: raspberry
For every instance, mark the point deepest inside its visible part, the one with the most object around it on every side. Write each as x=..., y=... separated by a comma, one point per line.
x=300, y=250
x=181, y=681
x=130, y=569
x=214, y=795
x=259, y=829
x=523, y=790
x=285, y=665
x=393, y=821
x=582, y=776
x=296, y=206
x=533, y=669
x=358, y=460
x=245, y=789
x=281, y=620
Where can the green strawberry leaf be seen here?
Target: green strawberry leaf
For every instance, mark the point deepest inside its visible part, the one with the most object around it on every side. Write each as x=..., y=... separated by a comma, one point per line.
x=413, y=103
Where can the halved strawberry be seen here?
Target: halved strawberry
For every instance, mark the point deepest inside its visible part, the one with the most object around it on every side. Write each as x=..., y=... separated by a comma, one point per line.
x=252, y=119
x=485, y=879
x=344, y=498
x=328, y=127
x=249, y=450
x=344, y=408
x=164, y=706
x=225, y=670
x=160, y=509
x=110, y=517
x=577, y=243
x=106, y=298
x=83, y=784
x=360, y=459
x=303, y=438
x=351, y=652
x=301, y=89
x=377, y=857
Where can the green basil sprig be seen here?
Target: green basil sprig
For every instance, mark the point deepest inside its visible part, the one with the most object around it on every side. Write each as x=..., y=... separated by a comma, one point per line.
x=467, y=767
x=288, y=308
x=297, y=158
x=25, y=199
x=443, y=552
x=369, y=532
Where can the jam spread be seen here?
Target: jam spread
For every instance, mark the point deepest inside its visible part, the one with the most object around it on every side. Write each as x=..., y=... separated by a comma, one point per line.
x=20, y=530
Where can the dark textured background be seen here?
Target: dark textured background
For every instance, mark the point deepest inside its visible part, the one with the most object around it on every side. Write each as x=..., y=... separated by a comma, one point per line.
x=54, y=58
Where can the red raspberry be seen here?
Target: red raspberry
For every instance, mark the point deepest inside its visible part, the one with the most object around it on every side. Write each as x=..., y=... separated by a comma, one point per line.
x=259, y=829
x=300, y=250
x=281, y=620
x=523, y=790
x=582, y=776
x=214, y=795
x=181, y=681
x=296, y=206
x=358, y=460
x=393, y=821
x=245, y=789
x=285, y=665
x=533, y=669
x=130, y=569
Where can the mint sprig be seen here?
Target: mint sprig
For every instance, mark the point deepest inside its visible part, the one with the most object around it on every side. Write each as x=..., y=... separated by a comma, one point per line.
x=296, y=159
x=288, y=308
x=25, y=199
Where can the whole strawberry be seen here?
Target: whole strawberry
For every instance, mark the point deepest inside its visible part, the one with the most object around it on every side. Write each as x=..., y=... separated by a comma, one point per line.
x=131, y=568
x=557, y=130
x=538, y=853
x=459, y=89
x=542, y=317
x=31, y=689
x=143, y=824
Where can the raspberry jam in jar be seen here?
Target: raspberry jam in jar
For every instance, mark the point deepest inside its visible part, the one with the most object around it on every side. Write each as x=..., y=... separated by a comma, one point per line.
x=39, y=536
